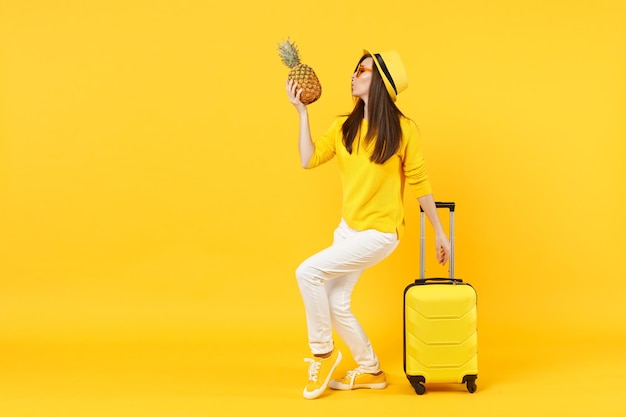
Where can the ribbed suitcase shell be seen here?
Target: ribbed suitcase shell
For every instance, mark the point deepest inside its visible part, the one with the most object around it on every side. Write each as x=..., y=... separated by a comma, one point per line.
x=440, y=332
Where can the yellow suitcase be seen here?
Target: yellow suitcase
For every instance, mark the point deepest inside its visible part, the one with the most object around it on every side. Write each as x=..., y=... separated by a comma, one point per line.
x=440, y=332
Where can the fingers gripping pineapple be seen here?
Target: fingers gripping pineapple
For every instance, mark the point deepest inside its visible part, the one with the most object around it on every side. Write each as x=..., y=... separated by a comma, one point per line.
x=301, y=73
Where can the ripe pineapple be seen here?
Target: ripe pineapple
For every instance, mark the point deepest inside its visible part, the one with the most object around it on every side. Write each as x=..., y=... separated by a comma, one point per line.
x=301, y=73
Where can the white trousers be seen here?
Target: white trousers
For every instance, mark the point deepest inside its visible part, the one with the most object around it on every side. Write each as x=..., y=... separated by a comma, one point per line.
x=326, y=281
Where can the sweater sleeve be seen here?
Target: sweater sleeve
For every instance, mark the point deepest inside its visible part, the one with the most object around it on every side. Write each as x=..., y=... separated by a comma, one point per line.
x=413, y=162
x=326, y=146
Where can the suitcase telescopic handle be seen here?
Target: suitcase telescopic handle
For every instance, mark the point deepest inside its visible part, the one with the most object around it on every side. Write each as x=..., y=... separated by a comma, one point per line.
x=450, y=205
x=439, y=204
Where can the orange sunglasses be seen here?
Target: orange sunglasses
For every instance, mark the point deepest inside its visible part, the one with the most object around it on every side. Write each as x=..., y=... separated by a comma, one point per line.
x=361, y=69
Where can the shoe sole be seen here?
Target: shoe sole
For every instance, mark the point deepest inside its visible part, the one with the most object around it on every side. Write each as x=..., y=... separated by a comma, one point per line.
x=343, y=387
x=314, y=394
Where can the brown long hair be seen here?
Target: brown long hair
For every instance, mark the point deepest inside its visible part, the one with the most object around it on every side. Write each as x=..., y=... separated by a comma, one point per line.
x=383, y=124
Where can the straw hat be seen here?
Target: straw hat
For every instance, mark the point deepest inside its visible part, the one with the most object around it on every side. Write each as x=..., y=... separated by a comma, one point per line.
x=392, y=70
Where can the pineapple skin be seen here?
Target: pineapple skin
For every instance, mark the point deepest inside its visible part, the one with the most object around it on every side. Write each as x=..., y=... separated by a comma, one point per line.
x=307, y=81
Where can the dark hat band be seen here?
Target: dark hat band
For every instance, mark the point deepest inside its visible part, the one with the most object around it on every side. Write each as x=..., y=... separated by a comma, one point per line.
x=386, y=71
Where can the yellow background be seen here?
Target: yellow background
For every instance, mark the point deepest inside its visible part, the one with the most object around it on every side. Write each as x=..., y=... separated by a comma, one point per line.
x=153, y=210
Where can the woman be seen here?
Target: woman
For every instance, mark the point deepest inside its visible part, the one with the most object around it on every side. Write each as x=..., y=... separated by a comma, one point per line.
x=377, y=150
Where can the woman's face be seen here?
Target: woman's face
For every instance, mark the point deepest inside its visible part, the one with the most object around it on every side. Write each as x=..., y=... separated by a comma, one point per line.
x=362, y=79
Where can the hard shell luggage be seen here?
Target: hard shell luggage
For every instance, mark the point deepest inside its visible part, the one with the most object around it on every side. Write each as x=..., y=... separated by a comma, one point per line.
x=440, y=340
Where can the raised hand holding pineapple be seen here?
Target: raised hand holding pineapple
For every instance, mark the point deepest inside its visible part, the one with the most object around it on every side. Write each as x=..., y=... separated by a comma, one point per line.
x=294, y=92
x=300, y=73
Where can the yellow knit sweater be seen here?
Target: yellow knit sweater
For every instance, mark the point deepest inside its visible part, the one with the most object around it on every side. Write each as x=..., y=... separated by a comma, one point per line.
x=373, y=193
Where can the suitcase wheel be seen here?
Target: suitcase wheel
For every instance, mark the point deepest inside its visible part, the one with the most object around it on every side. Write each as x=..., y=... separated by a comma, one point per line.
x=418, y=384
x=470, y=382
